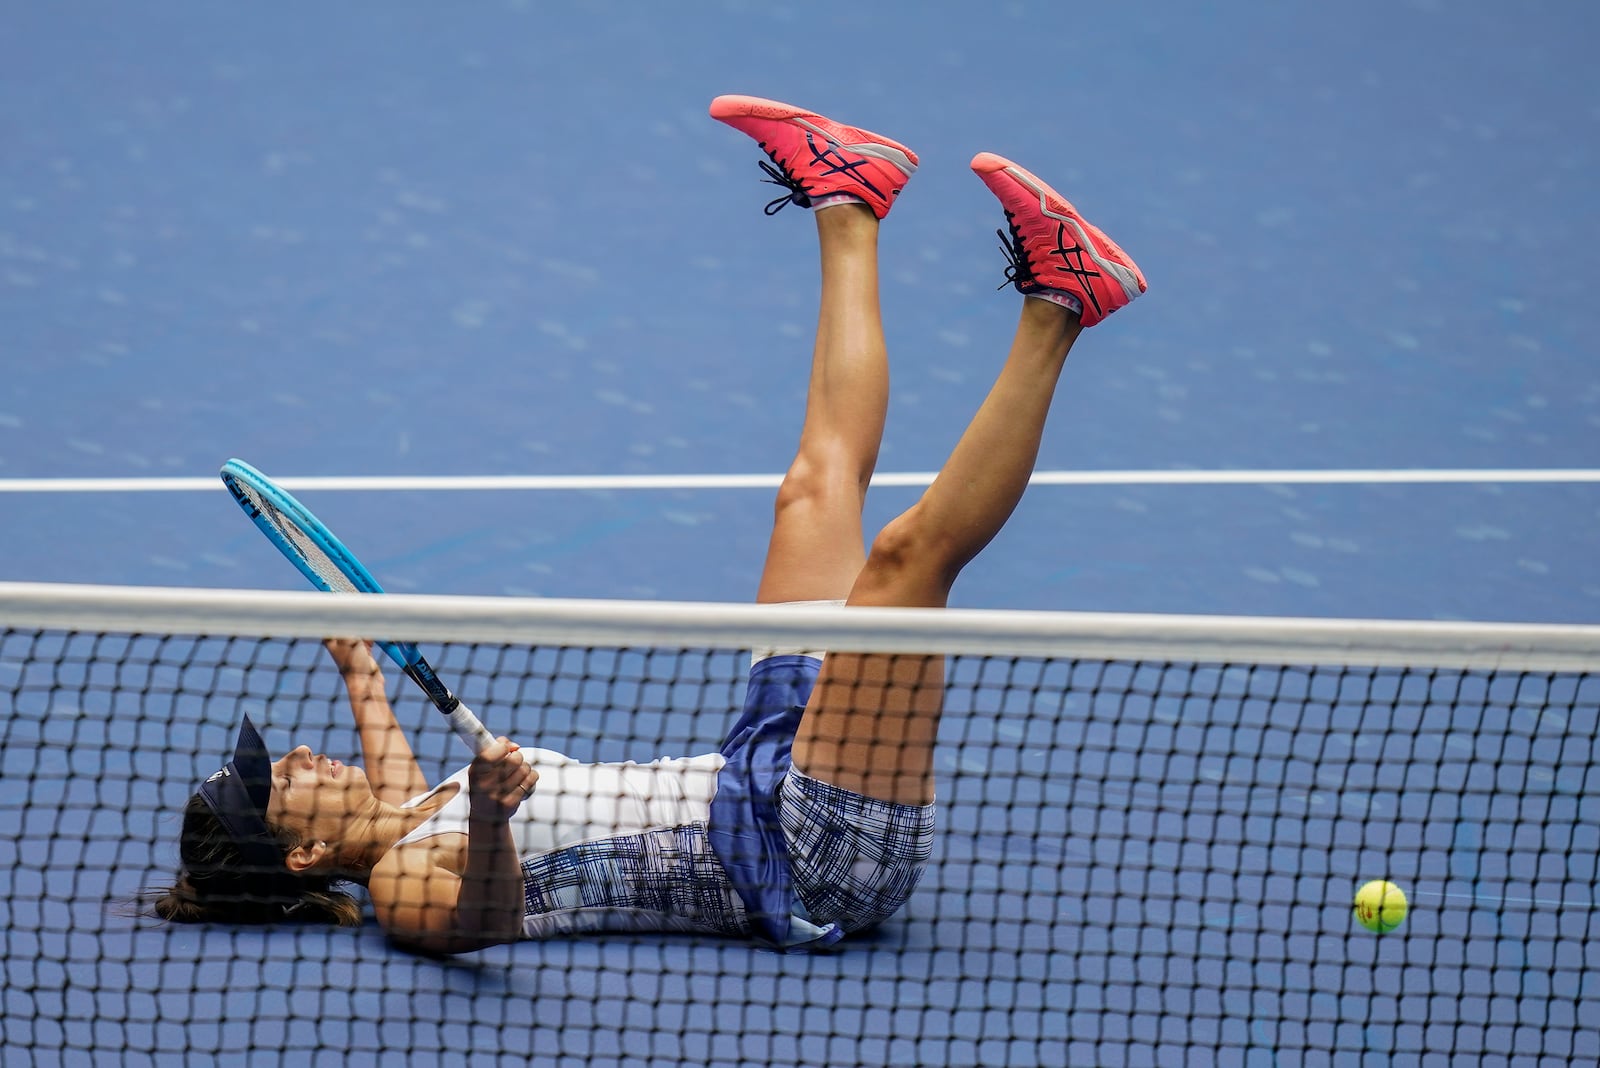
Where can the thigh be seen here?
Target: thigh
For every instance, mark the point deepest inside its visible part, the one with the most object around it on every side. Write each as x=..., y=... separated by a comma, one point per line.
x=871, y=724
x=816, y=549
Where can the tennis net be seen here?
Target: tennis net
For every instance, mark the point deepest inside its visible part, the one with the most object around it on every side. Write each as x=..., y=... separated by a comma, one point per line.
x=1150, y=832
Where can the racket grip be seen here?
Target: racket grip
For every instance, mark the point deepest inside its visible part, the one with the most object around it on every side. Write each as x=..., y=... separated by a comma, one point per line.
x=469, y=729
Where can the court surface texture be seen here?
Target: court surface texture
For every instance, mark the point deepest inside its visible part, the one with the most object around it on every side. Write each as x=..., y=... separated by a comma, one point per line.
x=492, y=274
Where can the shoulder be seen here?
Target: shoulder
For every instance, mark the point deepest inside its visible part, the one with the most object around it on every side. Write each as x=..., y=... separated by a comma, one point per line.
x=413, y=895
x=423, y=870
x=410, y=872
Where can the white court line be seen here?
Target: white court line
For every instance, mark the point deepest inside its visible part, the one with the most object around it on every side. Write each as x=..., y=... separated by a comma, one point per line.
x=1497, y=902
x=1373, y=476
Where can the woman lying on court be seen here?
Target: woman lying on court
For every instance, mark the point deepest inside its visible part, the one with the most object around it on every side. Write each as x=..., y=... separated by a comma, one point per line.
x=816, y=817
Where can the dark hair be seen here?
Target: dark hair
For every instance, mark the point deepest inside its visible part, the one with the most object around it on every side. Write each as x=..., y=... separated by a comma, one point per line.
x=216, y=886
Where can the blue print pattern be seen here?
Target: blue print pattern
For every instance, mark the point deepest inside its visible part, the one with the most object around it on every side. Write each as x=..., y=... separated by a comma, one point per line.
x=668, y=872
x=855, y=860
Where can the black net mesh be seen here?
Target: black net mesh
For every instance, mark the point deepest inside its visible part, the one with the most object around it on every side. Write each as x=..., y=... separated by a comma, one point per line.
x=1136, y=863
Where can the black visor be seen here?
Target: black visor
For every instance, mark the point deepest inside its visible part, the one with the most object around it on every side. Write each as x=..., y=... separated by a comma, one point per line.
x=238, y=794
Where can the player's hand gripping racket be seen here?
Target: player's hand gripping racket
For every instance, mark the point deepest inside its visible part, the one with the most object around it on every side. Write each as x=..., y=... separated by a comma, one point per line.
x=322, y=558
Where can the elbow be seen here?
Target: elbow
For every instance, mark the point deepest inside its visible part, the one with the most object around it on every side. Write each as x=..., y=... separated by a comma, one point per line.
x=428, y=946
x=439, y=944
x=445, y=935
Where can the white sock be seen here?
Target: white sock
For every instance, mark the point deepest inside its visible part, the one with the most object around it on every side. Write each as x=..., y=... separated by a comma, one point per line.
x=1061, y=297
x=818, y=203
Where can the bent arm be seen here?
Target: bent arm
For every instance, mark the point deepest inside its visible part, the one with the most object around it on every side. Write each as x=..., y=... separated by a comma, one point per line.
x=427, y=907
x=386, y=755
x=430, y=909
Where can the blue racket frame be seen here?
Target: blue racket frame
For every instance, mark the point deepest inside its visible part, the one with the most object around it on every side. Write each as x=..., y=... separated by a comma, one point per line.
x=236, y=474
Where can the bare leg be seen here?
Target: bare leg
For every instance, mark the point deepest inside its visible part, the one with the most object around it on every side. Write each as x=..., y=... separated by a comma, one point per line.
x=817, y=548
x=872, y=720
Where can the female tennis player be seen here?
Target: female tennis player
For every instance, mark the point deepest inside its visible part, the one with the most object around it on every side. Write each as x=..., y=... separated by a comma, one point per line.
x=816, y=818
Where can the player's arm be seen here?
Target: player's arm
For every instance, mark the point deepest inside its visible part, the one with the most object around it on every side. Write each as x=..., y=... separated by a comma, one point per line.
x=386, y=755
x=428, y=908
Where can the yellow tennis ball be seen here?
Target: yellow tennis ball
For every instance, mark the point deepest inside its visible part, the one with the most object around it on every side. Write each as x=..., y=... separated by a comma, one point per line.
x=1380, y=906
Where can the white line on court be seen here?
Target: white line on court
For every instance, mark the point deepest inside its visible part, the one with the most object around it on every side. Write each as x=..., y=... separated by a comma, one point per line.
x=1500, y=901
x=1356, y=477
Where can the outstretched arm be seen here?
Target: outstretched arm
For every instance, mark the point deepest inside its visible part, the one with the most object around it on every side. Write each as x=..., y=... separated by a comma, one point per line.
x=386, y=755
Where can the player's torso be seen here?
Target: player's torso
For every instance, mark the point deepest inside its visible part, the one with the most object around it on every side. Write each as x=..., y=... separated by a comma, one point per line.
x=572, y=804
x=604, y=847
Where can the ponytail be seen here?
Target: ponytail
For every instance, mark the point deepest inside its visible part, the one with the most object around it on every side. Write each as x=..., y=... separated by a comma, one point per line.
x=216, y=886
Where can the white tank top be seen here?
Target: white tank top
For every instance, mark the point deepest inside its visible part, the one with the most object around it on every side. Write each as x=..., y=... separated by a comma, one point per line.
x=610, y=847
x=576, y=802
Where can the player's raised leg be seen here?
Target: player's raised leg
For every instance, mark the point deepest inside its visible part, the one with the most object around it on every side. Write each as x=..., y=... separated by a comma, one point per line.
x=872, y=720
x=850, y=178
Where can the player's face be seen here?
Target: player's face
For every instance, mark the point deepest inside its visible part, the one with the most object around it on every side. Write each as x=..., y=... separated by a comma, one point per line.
x=314, y=795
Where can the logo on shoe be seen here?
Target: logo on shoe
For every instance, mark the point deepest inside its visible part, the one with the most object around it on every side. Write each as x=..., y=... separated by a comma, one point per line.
x=836, y=162
x=1074, y=262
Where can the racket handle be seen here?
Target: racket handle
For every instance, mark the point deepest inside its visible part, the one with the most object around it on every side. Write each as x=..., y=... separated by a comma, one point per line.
x=468, y=729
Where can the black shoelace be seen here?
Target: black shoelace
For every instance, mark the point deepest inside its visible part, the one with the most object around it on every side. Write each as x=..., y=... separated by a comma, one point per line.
x=1018, y=271
x=835, y=161
x=795, y=192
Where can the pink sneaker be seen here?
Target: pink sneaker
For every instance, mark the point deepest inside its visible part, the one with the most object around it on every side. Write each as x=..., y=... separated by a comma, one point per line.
x=1051, y=247
x=817, y=157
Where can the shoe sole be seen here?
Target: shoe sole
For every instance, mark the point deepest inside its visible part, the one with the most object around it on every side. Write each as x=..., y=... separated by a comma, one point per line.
x=1126, y=275
x=724, y=108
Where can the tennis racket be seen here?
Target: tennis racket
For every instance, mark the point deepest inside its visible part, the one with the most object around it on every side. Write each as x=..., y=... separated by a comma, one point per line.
x=311, y=547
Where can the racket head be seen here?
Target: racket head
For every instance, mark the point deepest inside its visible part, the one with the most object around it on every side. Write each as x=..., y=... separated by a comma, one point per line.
x=303, y=539
x=308, y=544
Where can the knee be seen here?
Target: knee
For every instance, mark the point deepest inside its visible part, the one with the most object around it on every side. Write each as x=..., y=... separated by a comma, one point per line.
x=908, y=554
x=819, y=480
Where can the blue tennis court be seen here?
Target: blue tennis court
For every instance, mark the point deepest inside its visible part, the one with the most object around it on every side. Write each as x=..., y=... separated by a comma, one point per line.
x=402, y=241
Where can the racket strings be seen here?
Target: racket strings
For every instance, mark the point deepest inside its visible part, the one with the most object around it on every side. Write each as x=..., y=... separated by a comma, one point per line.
x=307, y=549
